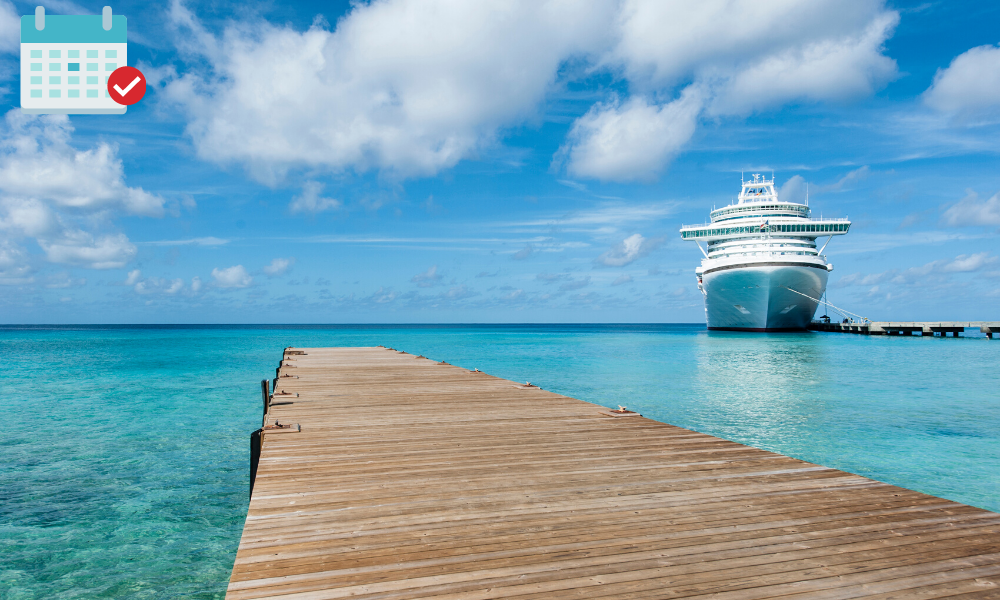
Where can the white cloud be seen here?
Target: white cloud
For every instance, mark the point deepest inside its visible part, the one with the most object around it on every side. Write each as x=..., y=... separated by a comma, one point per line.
x=967, y=263
x=460, y=293
x=83, y=249
x=14, y=265
x=382, y=296
x=847, y=181
x=741, y=55
x=10, y=27
x=972, y=211
x=969, y=88
x=158, y=285
x=162, y=286
x=428, y=278
x=632, y=140
x=232, y=277
x=963, y=263
x=512, y=296
x=665, y=41
x=57, y=194
x=38, y=163
x=310, y=201
x=793, y=190
x=836, y=67
x=622, y=279
x=278, y=267
x=607, y=214
x=413, y=86
x=628, y=251
x=405, y=86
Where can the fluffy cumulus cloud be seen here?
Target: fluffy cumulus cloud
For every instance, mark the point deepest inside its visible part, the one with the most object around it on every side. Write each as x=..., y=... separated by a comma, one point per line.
x=400, y=85
x=628, y=251
x=969, y=89
x=38, y=163
x=232, y=277
x=63, y=197
x=742, y=56
x=970, y=210
x=630, y=140
x=662, y=42
x=412, y=87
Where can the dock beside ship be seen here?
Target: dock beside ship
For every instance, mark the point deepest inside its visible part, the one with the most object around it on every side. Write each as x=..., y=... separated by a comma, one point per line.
x=923, y=328
x=395, y=476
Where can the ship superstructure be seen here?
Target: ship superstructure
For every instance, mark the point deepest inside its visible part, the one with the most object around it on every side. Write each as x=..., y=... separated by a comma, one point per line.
x=761, y=270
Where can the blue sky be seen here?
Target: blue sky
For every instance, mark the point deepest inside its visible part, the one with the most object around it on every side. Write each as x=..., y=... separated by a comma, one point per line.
x=435, y=161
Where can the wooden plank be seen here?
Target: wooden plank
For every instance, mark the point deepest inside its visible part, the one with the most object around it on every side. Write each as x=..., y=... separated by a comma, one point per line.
x=410, y=478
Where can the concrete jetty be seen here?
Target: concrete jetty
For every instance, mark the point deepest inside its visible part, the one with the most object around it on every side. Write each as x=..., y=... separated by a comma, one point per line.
x=924, y=328
x=387, y=475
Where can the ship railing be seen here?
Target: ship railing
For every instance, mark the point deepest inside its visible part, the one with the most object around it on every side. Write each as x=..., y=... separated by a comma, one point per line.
x=832, y=220
x=718, y=254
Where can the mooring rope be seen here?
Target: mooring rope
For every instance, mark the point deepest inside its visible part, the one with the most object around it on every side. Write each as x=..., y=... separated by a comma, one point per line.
x=843, y=312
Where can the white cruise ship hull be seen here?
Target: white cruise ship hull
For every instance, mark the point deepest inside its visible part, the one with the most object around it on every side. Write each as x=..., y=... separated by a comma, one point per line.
x=760, y=297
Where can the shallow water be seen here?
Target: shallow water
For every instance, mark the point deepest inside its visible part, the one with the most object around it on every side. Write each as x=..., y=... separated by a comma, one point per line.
x=125, y=450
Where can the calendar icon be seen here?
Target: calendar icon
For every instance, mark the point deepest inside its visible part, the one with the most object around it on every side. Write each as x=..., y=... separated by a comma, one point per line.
x=66, y=61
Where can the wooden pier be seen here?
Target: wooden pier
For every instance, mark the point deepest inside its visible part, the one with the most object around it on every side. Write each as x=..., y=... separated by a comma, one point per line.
x=410, y=478
x=924, y=328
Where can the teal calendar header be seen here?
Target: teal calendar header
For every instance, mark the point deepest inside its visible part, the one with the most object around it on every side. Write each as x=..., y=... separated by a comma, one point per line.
x=74, y=29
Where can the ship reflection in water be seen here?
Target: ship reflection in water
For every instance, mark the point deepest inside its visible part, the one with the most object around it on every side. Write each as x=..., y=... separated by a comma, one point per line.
x=765, y=388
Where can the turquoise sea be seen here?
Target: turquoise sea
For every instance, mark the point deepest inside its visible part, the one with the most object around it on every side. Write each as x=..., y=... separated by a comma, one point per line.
x=124, y=468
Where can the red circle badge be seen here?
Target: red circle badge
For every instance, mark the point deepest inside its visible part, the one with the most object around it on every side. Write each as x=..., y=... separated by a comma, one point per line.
x=126, y=85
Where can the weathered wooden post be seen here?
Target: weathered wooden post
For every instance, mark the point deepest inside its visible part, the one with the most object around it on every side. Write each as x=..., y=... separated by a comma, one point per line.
x=265, y=392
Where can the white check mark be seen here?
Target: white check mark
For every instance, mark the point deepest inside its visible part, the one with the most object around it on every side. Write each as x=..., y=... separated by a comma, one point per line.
x=122, y=92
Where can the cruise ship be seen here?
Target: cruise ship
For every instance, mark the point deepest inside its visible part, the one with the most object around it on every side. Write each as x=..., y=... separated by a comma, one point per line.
x=762, y=271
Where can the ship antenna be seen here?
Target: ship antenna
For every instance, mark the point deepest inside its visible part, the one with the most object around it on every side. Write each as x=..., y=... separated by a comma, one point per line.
x=807, y=193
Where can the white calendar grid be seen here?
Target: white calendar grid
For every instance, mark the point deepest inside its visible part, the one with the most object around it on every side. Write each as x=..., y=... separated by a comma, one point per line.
x=57, y=77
